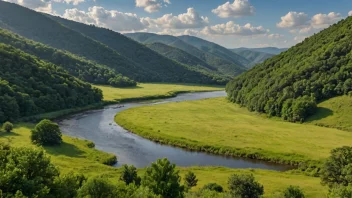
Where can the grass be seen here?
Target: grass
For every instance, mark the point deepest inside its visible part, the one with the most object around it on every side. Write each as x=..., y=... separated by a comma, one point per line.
x=220, y=127
x=334, y=113
x=152, y=91
x=75, y=155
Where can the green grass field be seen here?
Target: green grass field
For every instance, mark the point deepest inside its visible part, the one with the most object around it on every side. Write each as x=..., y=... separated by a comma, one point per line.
x=147, y=90
x=334, y=113
x=217, y=126
x=74, y=155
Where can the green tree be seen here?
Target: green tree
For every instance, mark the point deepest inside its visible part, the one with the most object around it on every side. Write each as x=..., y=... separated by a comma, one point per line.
x=245, y=186
x=26, y=172
x=163, y=179
x=190, y=180
x=337, y=169
x=98, y=188
x=340, y=192
x=129, y=175
x=8, y=127
x=46, y=133
x=213, y=187
x=67, y=186
x=293, y=192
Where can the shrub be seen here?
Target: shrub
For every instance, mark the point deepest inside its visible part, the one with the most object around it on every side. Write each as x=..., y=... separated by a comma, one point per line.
x=213, y=187
x=90, y=144
x=98, y=188
x=111, y=160
x=293, y=192
x=190, y=180
x=46, y=133
x=68, y=185
x=7, y=126
x=129, y=175
x=245, y=186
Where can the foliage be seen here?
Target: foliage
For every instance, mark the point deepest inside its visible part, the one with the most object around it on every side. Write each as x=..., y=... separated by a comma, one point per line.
x=29, y=86
x=7, y=126
x=46, y=133
x=254, y=57
x=318, y=68
x=293, y=192
x=98, y=188
x=79, y=67
x=163, y=179
x=129, y=175
x=26, y=172
x=337, y=169
x=340, y=192
x=213, y=187
x=205, y=193
x=190, y=180
x=245, y=186
x=67, y=186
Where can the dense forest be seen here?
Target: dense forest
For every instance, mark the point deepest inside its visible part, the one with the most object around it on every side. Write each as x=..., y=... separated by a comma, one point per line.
x=30, y=86
x=123, y=55
x=253, y=56
x=290, y=84
x=76, y=66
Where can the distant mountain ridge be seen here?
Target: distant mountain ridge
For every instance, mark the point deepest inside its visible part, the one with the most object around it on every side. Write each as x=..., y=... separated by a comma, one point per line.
x=268, y=50
x=254, y=57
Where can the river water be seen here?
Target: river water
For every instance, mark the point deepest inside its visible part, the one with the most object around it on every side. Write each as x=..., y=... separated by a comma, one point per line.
x=99, y=126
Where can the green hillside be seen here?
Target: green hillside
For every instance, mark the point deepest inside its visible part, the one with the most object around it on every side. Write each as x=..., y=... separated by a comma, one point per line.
x=254, y=57
x=41, y=28
x=76, y=66
x=224, y=66
x=30, y=86
x=290, y=84
x=268, y=50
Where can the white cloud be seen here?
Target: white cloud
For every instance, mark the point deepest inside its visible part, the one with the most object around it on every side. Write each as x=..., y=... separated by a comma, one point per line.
x=293, y=20
x=191, y=19
x=230, y=28
x=74, y=2
x=38, y=5
x=275, y=36
x=238, y=8
x=151, y=5
x=111, y=19
x=350, y=13
x=325, y=20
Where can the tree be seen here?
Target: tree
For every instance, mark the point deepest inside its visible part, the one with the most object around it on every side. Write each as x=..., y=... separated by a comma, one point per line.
x=98, y=188
x=337, y=169
x=190, y=180
x=293, y=192
x=245, y=186
x=213, y=187
x=46, y=133
x=68, y=185
x=8, y=127
x=341, y=192
x=163, y=179
x=26, y=172
x=129, y=175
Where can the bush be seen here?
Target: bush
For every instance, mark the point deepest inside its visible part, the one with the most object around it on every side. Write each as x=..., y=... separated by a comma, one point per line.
x=245, y=186
x=68, y=185
x=46, y=133
x=129, y=175
x=190, y=180
x=90, y=144
x=8, y=127
x=98, y=188
x=213, y=187
x=111, y=160
x=293, y=192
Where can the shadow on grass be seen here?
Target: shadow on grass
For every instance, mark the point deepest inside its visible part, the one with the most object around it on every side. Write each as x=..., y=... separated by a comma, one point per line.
x=6, y=134
x=320, y=114
x=66, y=149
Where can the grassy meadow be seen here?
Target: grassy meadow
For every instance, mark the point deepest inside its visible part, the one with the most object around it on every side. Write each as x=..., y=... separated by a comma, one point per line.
x=75, y=155
x=151, y=91
x=217, y=126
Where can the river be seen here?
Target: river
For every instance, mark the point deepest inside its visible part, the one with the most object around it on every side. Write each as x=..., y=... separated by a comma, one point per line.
x=99, y=126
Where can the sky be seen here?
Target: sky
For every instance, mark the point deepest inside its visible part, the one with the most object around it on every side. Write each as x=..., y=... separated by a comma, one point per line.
x=230, y=23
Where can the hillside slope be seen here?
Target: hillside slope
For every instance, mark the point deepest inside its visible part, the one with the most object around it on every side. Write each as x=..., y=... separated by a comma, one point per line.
x=76, y=66
x=224, y=66
x=41, y=28
x=290, y=84
x=254, y=57
x=30, y=86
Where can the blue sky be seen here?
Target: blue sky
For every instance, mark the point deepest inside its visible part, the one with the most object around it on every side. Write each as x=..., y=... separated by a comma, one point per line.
x=233, y=23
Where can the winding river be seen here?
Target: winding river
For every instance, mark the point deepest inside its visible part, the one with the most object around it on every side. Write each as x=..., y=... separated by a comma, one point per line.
x=99, y=127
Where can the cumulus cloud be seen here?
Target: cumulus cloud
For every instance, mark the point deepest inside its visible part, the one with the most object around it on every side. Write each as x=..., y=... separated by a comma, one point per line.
x=293, y=20
x=230, y=28
x=191, y=19
x=350, y=13
x=74, y=2
x=111, y=19
x=238, y=8
x=325, y=20
x=151, y=5
x=38, y=5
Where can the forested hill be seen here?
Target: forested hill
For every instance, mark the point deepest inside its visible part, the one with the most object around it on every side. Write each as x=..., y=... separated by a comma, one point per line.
x=147, y=66
x=76, y=66
x=290, y=84
x=224, y=66
x=253, y=56
x=30, y=86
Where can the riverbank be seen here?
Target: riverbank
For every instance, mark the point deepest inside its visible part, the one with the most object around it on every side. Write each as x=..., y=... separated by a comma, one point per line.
x=219, y=127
